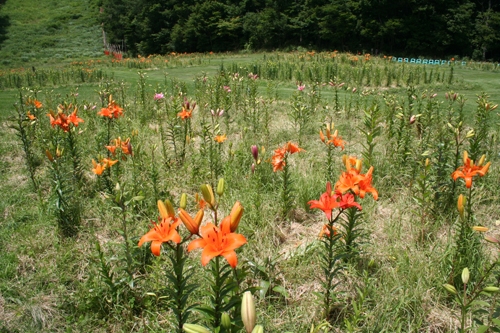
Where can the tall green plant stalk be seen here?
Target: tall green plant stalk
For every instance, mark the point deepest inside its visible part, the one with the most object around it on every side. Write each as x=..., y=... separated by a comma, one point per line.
x=351, y=232
x=329, y=259
x=66, y=204
x=24, y=133
x=371, y=130
x=287, y=197
x=180, y=287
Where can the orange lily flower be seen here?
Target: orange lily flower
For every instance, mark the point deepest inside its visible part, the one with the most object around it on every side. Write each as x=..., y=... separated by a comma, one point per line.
x=327, y=202
x=326, y=231
x=469, y=170
x=37, y=103
x=126, y=147
x=278, y=159
x=161, y=233
x=30, y=116
x=98, y=168
x=112, y=111
x=348, y=181
x=185, y=114
x=108, y=163
x=347, y=200
x=62, y=120
x=292, y=148
x=74, y=119
x=112, y=149
x=354, y=181
x=332, y=139
x=218, y=242
x=365, y=185
x=105, y=112
x=220, y=138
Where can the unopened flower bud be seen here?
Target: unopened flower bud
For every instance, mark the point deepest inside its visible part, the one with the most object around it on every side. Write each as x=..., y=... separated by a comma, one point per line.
x=208, y=195
x=433, y=95
x=166, y=209
x=479, y=228
x=412, y=119
x=226, y=320
x=192, y=225
x=258, y=329
x=490, y=239
x=321, y=136
x=49, y=155
x=193, y=328
x=491, y=289
x=236, y=213
x=481, y=160
x=183, y=201
x=455, y=95
x=450, y=288
x=427, y=162
x=465, y=275
x=220, y=187
x=248, y=311
x=255, y=152
x=253, y=168
x=460, y=205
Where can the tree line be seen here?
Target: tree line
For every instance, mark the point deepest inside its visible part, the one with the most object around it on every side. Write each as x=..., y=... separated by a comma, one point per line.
x=434, y=28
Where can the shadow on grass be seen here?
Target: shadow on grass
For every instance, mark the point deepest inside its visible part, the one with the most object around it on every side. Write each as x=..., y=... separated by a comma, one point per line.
x=4, y=24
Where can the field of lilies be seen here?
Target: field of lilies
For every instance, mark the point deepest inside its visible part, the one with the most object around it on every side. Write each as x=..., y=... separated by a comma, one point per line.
x=277, y=192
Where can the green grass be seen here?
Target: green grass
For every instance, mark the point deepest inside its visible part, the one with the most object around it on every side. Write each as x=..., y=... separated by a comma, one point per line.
x=50, y=32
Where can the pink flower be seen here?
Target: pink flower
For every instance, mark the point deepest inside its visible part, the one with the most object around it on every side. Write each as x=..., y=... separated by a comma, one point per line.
x=227, y=89
x=159, y=96
x=301, y=87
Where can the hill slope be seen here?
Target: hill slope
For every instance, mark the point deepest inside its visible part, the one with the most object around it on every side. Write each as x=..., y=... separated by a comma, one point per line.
x=48, y=30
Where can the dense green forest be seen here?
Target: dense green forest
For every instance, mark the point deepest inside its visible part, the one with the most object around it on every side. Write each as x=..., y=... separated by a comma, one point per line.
x=444, y=28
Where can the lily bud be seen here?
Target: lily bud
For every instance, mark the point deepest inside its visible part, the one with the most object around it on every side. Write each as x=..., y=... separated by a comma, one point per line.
x=490, y=239
x=208, y=195
x=220, y=187
x=162, y=208
x=427, y=162
x=321, y=136
x=226, y=320
x=481, y=160
x=479, y=228
x=49, y=155
x=258, y=329
x=183, y=202
x=253, y=168
x=193, y=328
x=412, y=119
x=491, y=289
x=465, y=275
x=193, y=225
x=248, y=311
x=450, y=288
x=466, y=156
x=359, y=164
x=460, y=205
x=255, y=152
x=235, y=215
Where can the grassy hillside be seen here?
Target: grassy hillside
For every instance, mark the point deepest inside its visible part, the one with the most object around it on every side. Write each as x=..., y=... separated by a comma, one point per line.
x=48, y=31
